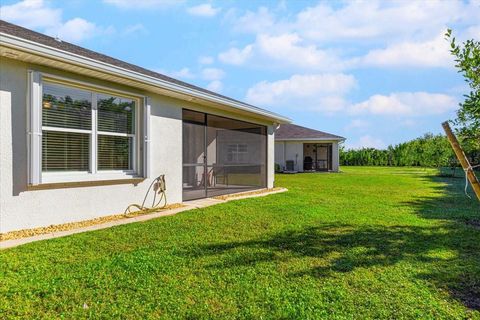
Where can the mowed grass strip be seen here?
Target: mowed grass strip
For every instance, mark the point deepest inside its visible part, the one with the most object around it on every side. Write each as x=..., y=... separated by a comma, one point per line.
x=369, y=243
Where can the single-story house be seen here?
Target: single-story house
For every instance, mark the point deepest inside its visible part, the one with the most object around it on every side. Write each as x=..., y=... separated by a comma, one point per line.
x=83, y=135
x=300, y=149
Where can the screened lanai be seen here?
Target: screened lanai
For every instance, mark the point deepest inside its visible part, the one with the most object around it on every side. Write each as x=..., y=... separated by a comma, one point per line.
x=221, y=155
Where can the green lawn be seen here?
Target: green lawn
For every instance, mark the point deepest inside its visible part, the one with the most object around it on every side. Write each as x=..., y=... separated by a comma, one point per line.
x=367, y=243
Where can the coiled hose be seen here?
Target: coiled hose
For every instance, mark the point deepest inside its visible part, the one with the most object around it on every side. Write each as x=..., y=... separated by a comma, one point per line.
x=158, y=186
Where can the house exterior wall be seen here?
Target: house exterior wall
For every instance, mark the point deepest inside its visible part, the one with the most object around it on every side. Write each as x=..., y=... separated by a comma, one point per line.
x=21, y=208
x=280, y=154
x=289, y=150
x=293, y=150
x=335, y=156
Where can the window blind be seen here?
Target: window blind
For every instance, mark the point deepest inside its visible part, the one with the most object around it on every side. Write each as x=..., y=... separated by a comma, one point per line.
x=116, y=115
x=114, y=153
x=65, y=151
x=66, y=107
x=67, y=122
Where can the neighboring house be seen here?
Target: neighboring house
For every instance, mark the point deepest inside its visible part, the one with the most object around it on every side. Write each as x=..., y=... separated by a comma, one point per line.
x=300, y=149
x=82, y=135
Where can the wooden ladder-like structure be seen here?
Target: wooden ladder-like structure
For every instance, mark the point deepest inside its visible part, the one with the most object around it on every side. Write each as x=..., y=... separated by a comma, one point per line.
x=462, y=159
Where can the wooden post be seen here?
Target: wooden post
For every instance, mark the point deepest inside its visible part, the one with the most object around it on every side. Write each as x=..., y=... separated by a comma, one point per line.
x=462, y=158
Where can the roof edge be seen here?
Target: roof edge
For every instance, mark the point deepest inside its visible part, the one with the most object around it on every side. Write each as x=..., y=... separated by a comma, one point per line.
x=48, y=51
x=311, y=139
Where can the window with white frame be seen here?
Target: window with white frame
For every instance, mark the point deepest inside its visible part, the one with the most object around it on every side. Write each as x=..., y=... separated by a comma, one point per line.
x=84, y=131
x=237, y=153
x=66, y=128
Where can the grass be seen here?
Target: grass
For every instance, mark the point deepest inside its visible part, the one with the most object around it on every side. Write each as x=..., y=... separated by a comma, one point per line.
x=370, y=243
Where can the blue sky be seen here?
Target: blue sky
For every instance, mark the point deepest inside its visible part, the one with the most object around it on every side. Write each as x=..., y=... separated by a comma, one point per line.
x=375, y=72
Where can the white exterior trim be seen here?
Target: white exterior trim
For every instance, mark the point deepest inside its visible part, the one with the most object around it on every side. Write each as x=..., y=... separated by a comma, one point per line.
x=36, y=175
x=146, y=137
x=34, y=127
x=93, y=135
x=50, y=52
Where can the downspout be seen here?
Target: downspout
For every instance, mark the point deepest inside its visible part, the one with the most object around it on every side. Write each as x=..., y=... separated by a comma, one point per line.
x=275, y=128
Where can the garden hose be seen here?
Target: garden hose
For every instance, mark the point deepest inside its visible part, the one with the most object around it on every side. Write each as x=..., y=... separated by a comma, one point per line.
x=158, y=186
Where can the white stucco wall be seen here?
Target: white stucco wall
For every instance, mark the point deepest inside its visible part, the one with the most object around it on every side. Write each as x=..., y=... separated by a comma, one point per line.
x=289, y=150
x=293, y=150
x=279, y=154
x=335, y=156
x=21, y=208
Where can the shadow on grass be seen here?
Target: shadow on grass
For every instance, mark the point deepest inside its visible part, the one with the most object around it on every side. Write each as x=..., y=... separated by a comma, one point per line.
x=461, y=213
x=446, y=254
x=449, y=202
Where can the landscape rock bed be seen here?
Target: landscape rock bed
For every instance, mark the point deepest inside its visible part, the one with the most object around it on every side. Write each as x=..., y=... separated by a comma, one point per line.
x=249, y=193
x=80, y=224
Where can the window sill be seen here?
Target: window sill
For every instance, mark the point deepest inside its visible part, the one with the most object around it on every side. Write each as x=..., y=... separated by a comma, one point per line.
x=80, y=184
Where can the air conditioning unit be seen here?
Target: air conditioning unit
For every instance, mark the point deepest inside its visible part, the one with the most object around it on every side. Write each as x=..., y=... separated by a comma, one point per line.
x=290, y=165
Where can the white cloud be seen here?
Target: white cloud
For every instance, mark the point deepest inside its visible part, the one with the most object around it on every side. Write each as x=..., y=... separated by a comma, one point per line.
x=376, y=20
x=433, y=53
x=142, y=4
x=206, y=60
x=357, y=124
x=362, y=20
x=37, y=14
x=215, y=86
x=367, y=141
x=134, y=29
x=285, y=50
x=212, y=74
x=289, y=48
x=183, y=73
x=356, y=33
x=406, y=104
x=31, y=14
x=236, y=56
x=203, y=10
x=255, y=22
x=319, y=92
x=74, y=30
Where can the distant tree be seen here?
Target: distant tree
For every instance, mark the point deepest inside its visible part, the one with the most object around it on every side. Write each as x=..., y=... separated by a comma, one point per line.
x=427, y=151
x=467, y=58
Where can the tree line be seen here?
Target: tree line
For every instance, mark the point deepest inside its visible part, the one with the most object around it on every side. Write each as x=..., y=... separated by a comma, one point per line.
x=427, y=151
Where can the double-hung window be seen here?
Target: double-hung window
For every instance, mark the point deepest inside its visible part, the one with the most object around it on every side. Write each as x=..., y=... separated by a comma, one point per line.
x=85, y=133
x=237, y=153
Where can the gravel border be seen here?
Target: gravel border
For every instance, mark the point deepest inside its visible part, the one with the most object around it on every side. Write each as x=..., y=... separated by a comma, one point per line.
x=25, y=233
x=17, y=238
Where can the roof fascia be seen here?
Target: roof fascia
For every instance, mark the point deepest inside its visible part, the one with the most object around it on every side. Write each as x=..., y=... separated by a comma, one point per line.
x=310, y=139
x=51, y=52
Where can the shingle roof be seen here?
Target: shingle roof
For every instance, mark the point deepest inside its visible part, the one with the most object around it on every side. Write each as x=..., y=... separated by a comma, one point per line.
x=294, y=132
x=27, y=34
